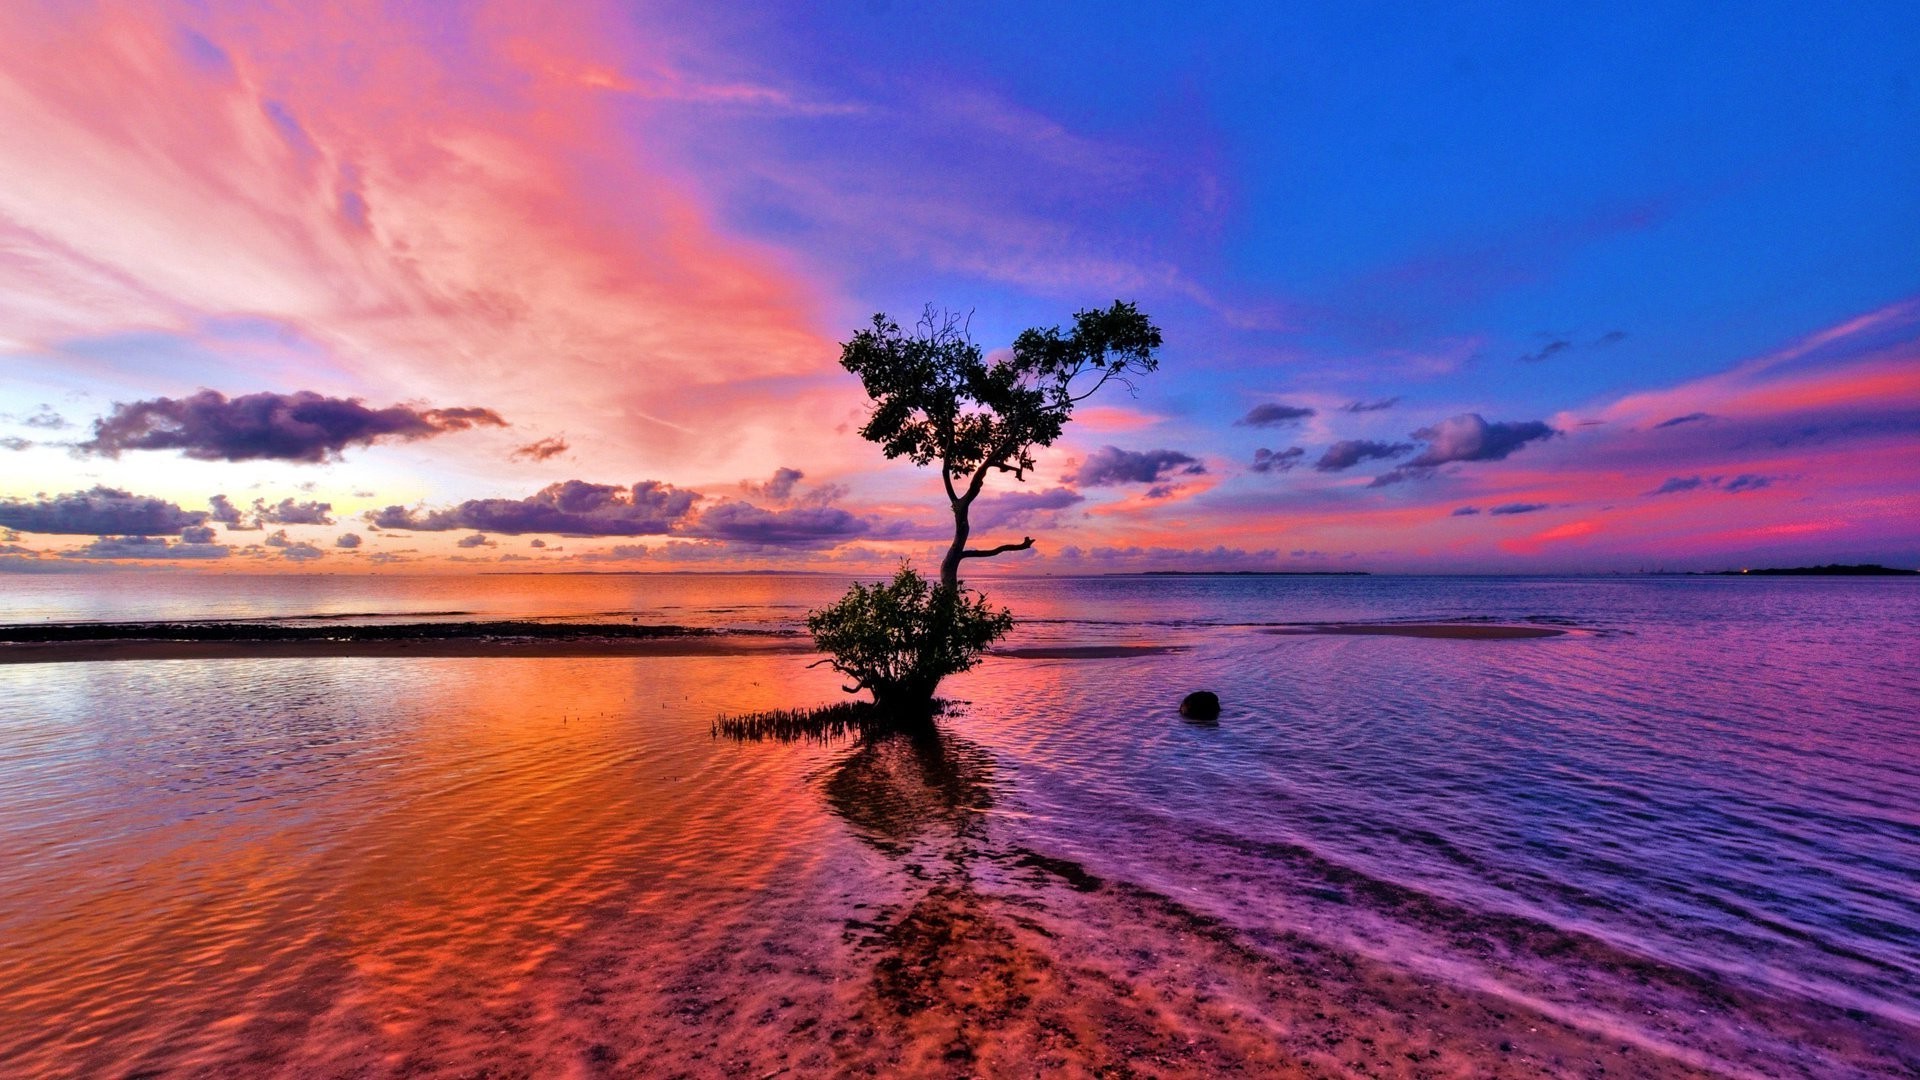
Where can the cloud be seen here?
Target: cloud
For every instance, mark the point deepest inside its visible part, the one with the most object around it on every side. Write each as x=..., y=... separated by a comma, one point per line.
x=796, y=527
x=1465, y=511
x=98, y=512
x=570, y=507
x=1611, y=337
x=541, y=449
x=1347, y=453
x=146, y=547
x=347, y=540
x=1557, y=345
x=1271, y=414
x=1678, y=420
x=289, y=512
x=1112, y=465
x=14, y=442
x=225, y=512
x=301, y=552
x=1677, y=483
x=1265, y=460
x=279, y=539
x=1024, y=507
x=1468, y=437
x=1370, y=406
x=474, y=541
x=300, y=427
x=1517, y=508
x=197, y=534
x=1733, y=485
x=537, y=542
x=777, y=489
x=45, y=419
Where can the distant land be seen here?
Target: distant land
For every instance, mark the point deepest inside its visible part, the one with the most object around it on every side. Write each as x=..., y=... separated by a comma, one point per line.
x=1244, y=573
x=1830, y=570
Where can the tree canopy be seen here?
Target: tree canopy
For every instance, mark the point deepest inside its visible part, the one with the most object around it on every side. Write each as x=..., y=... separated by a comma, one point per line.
x=937, y=399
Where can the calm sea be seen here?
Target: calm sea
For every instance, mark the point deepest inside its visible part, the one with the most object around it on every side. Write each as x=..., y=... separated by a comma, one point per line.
x=1707, y=798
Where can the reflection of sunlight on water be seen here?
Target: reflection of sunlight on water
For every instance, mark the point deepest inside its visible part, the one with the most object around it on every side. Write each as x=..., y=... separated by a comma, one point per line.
x=548, y=866
x=277, y=852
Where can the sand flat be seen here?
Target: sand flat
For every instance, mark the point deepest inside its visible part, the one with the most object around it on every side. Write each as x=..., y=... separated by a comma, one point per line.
x=71, y=652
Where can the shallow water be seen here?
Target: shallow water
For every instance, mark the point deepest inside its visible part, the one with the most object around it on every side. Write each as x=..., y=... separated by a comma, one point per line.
x=1689, y=825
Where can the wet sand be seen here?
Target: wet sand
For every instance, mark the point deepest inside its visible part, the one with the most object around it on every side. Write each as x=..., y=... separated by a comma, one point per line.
x=1453, y=631
x=91, y=642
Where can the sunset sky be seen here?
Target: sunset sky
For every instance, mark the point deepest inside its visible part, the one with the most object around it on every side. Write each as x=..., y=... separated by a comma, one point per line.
x=1526, y=290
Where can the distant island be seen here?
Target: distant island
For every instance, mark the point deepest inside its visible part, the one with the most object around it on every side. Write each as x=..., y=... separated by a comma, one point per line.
x=1830, y=570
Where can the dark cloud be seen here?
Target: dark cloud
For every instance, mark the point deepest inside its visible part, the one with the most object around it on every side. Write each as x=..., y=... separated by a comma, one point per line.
x=1465, y=511
x=279, y=539
x=46, y=419
x=571, y=507
x=14, y=442
x=301, y=427
x=1731, y=485
x=1678, y=420
x=225, y=512
x=777, y=489
x=1347, y=453
x=1557, y=345
x=1265, y=460
x=289, y=512
x=146, y=547
x=541, y=449
x=98, y=512
x=1611, y=337
x=1517, y=508
x=1677, y=483
x=1370, y=406
x=347, y=540
x=537, y=542
x=197, y=534
x=1270, y=414
x=1468, y=437
x=1012, y=508
x=796, y=527
x=474, y=541
x=1112, y=465
x=301, y=552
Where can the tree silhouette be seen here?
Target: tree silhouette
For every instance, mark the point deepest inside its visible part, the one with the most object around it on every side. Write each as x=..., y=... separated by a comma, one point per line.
x=936, y=398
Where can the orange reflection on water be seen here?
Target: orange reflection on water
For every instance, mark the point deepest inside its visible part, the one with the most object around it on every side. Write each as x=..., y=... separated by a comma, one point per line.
x=383, y=864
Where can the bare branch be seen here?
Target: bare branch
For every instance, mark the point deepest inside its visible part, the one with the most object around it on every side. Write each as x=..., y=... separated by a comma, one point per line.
x=988, y=553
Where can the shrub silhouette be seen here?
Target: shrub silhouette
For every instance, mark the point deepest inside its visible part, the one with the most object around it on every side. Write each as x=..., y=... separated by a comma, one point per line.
x=898, y=639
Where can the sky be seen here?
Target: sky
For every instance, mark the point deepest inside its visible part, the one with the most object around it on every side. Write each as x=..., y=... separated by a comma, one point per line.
x=451, y=287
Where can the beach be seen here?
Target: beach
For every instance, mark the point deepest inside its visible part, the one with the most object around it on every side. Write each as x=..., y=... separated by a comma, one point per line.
x=1398, y=853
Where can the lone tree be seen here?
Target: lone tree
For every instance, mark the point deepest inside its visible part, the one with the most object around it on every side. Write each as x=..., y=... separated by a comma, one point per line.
x=936, y=399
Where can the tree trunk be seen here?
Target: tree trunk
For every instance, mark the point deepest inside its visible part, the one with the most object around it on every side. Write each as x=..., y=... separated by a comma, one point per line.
x=950, y=566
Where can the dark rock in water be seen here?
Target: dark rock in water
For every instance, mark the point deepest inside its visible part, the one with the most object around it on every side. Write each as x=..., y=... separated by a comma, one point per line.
x=1201, y=705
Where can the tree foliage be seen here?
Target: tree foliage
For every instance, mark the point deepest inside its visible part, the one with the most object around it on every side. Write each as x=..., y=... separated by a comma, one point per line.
x=938, y=400
x=898, y=640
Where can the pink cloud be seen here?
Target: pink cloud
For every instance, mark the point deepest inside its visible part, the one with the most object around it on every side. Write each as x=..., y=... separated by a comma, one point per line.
x=437, y=216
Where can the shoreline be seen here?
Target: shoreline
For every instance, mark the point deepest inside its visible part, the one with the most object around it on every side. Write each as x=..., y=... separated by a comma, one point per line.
x=97, y=642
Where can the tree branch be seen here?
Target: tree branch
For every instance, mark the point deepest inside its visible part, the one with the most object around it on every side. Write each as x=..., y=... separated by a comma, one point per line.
x=987, y=553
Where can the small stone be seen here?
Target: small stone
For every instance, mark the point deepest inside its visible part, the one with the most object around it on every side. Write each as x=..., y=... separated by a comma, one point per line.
x=1201, y=705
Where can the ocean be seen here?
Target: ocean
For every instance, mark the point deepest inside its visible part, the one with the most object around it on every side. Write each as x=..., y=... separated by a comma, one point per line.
x=1689, y=826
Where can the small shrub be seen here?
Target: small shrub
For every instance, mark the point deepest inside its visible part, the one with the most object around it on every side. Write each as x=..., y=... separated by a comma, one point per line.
x=898, y=640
